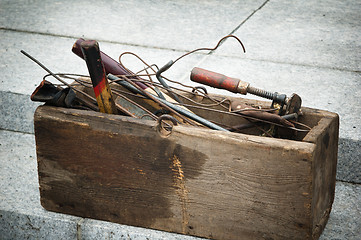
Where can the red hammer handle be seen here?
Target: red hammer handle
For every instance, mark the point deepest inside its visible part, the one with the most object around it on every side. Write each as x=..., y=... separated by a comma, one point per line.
x=110, y=65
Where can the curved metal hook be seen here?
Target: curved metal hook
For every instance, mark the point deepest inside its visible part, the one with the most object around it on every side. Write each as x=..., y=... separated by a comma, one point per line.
x=165, y=129
x=200, y=87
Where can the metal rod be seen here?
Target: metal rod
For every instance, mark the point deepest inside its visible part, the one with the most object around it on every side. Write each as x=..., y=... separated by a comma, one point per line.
x=136, y=104
x=65, y=83
x=165, y=85
x=177, y=108
x=130, y=85
x=60, y=80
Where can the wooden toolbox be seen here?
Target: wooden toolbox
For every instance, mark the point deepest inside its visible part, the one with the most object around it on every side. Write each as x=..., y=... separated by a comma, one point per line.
x=194, y=181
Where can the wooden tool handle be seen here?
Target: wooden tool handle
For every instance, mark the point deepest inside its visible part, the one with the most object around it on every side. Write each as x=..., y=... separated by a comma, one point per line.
x=91, y=52
x=218, y=80
x=110, y=65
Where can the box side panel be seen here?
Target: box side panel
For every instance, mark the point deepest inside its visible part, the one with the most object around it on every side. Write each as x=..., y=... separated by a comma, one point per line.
x=324, y=173
x=95, y=167
x=196, y=182
x=251, y=190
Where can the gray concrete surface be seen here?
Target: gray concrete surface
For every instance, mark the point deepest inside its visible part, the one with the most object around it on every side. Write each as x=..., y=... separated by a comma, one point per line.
x=308, y=47
x=157, y=24
x=17, y=111
x=313, y=33
x=344, y=221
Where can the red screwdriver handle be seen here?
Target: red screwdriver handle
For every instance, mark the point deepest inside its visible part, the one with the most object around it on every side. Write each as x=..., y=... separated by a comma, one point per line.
x=218, y=80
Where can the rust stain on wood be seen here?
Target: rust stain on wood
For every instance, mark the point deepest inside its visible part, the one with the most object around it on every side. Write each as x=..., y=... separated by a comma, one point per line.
x=181, y=189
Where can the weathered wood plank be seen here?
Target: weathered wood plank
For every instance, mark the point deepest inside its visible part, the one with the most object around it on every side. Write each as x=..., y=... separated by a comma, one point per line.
x=325, y=135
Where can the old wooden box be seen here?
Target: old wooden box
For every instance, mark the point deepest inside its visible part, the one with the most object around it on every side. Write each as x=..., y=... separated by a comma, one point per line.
x=195, y=181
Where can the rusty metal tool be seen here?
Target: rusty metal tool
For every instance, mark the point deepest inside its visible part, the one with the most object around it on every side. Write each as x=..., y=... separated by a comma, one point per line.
x=217, y=80
x=292, y=116
x=136, y=89
x=256, y=113
x=91, y=52
x=60, y=97
x=85, y=102
x=113, y=67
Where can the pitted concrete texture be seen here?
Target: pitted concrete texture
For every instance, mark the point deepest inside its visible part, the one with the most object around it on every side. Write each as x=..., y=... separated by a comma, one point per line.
x=177, y=25
x=345, y=217
x=21, y=75
x=17, y=225
x=325, y=34
x=17, y=112
x=348, y=165
x=94, y=229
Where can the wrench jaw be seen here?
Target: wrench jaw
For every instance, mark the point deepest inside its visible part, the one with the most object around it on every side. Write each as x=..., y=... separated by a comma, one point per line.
x=292, y=110
x=293, y=104
x=287, y=105
x=278, y=102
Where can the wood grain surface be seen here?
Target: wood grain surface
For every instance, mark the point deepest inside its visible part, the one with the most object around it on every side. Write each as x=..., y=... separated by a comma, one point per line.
x=196, y=181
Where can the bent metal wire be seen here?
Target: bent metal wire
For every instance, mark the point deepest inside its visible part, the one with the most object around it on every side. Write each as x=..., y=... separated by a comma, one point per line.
x=175, y=91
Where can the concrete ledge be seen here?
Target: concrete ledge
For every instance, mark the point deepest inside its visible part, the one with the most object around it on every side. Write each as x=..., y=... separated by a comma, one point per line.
x=159, y=24
x=17, y=225
x=17, y=111
x=345, y=217
x=93, y=229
